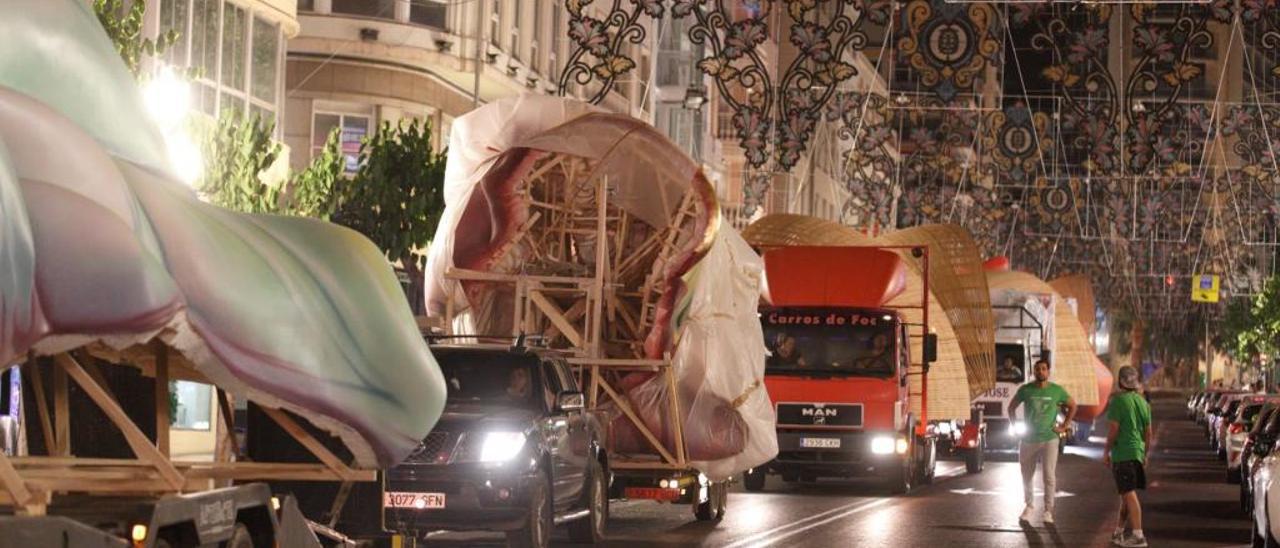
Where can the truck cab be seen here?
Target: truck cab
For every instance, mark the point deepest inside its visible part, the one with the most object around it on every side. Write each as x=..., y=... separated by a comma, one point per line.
x=1023, y=335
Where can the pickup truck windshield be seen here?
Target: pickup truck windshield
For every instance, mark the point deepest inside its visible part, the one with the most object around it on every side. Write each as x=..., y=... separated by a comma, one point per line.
x=845, y=350
x=474, y=379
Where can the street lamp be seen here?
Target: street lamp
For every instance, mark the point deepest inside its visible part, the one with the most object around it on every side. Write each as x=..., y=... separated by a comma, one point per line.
x=167, y=97
x=694, y=97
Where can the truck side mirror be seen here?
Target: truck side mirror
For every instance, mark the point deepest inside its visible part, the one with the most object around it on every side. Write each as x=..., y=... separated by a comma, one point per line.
x=570, y=401
x=930, y=348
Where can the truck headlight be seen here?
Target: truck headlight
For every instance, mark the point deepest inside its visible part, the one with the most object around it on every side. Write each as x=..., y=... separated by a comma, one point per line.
x=882, y=445
x=501, y=446
x=944, y=428
x=1017, y=428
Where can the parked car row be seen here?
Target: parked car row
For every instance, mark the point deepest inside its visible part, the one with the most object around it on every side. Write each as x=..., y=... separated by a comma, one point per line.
x=1242, y=429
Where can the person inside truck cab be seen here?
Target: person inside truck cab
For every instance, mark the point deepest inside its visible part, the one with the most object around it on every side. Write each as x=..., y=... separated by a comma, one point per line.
x=1009, y=371
x=878, y=357
x=518, y=384
x=786, y=354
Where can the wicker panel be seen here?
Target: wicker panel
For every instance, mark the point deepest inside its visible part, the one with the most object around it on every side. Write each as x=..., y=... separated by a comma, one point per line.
x=957, y=283
x=1077, y=286
x=1072, y=354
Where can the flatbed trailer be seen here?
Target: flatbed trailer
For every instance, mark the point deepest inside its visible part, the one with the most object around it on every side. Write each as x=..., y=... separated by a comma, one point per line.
x=55, y=497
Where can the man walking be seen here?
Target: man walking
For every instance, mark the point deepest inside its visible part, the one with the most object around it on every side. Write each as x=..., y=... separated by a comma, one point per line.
x=1040, y=442
x=1129, y=437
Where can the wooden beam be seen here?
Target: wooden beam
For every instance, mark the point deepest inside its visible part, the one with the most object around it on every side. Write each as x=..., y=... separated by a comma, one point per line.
x=249, y=471
x=310, y=442
x=162, y=398
x=677, y=420
x=13, y=483
x=553, y=313
x=42, y=406
x=138, y=441
x=61, y=415
x=228, y=417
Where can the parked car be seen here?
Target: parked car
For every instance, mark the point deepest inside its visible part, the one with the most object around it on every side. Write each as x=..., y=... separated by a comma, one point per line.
x=1266, y=508
x=1222, y=422
x=1238, y=430
x=1214, y=415
x=1210, y=402
x=515, y=451
x=1258, y=445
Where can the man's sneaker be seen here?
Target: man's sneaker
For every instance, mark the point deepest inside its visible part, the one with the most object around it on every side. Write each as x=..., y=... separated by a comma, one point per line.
x=1027, y=514
x=1117, y=538
x=1132, y=542
x=1048, y=517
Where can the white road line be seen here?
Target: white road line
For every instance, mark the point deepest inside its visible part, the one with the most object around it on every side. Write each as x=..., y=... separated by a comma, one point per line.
x=793, y=531
x=839, y=511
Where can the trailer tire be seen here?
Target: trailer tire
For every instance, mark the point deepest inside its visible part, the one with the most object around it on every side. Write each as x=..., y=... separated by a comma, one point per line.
x=753, y=480
x=714, y=507
x=975, y=459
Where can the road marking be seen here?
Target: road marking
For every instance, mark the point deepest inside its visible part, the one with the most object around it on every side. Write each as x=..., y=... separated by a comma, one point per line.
x=972, y=491
x=795, y=528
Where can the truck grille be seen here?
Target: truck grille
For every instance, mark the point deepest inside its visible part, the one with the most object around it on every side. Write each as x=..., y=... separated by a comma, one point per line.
x=820, y=414
x=434, y=449
x=991, y=409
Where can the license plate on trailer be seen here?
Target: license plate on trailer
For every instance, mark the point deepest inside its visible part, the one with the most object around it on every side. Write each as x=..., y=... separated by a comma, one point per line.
x=820, y=443
x=421, y=501
x=652, y=493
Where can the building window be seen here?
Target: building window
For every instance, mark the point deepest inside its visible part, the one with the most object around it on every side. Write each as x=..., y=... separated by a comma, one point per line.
x=266, y=59
x=354, y=129
x=195, y=406
x=557, y=36
x=306, y=5
x=534, y=59
x=174, y=15
x=384, y=9
x=495, y=24
x=514, y=50
x=428, y=12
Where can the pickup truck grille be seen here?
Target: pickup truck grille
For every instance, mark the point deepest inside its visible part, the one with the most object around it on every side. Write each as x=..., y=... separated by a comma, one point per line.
x=436, y=448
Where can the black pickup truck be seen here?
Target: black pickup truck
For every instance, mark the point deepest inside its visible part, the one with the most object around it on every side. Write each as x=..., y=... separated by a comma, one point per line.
x=515, y=451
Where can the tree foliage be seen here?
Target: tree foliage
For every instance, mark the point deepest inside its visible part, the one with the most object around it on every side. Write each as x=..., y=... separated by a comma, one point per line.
x=124, y=27
x=1251, y=327
x=240, y=150
x=397, y=196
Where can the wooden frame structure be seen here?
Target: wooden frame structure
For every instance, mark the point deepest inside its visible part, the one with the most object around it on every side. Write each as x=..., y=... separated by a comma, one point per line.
x=587, y=276
x=29, y=483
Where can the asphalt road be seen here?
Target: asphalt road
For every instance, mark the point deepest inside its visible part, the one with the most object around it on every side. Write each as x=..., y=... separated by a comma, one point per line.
x=1188, y=504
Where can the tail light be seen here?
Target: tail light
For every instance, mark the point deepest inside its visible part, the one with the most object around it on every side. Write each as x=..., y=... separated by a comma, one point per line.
x=1235, y=428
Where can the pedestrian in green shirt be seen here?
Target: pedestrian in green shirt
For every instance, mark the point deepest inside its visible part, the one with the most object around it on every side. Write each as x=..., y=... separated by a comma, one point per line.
x=1129, y=437
x=1039, y=443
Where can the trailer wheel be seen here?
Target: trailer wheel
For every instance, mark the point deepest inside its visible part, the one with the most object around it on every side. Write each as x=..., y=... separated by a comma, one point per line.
x=753, y=479
x=714, y=507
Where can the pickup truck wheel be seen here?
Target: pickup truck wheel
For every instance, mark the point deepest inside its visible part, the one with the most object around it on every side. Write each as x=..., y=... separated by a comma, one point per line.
x=753, y=480
x=713, y=508
x=590, y=529
x=536, y=533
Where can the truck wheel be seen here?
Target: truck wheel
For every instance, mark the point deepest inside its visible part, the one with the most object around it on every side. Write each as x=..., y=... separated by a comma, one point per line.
x=240, y=538
x=930, y=464
x=975, y=459
x=900, y=480
x=753, y=480
x=536, y=533
x=590, y=529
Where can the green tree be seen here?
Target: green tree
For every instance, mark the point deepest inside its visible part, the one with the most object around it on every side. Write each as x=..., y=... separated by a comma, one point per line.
x=240, y=150
x=124, y=27
x=397, y=196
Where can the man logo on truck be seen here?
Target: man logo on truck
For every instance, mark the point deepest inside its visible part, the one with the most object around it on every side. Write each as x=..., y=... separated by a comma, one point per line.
x=820, y=412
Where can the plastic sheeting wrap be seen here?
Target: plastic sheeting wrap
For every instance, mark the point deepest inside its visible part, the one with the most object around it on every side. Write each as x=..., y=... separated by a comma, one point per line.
x=526, y=182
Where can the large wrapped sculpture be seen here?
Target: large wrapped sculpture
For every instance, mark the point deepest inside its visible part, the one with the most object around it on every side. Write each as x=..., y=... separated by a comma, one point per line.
x=596, y=232
x=101, y=246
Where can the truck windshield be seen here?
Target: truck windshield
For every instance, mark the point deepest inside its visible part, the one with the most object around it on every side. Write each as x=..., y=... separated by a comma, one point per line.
x=852, y=350
x=476, y=380
x=1009, y=363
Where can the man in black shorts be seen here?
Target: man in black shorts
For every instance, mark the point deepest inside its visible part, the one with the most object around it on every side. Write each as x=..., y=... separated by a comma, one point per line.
x=1129, y=438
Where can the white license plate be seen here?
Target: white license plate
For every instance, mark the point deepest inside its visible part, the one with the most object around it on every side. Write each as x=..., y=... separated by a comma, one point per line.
x=820, y=443
x=421, y=501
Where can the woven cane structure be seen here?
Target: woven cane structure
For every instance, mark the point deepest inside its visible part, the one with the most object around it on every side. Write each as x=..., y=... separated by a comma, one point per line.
x=1077, y=286
x=1073, y=358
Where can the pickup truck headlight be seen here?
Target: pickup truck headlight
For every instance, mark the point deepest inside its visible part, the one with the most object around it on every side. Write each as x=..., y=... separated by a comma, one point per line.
x=501, y=446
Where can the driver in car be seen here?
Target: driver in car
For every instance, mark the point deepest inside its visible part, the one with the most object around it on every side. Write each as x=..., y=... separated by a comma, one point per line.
x=1009, y=371
x=878, y=356
x=518, y=384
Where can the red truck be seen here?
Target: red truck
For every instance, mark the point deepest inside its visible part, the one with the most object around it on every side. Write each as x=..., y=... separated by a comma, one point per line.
x=839, y=369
